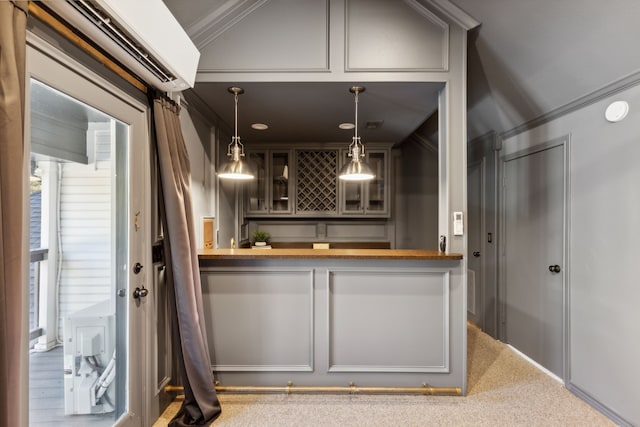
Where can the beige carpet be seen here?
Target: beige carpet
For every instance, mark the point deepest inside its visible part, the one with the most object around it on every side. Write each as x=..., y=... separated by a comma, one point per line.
x=504, y=390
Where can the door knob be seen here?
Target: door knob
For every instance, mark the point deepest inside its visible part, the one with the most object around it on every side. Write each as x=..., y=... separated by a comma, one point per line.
x=140, y=292
x=555, y=268
x=476, y=254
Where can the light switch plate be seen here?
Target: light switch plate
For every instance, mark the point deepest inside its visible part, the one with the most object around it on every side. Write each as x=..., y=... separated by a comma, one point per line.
x=458, y=228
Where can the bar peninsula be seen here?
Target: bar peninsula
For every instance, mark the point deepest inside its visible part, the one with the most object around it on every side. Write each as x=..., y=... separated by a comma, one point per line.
x=352, y=320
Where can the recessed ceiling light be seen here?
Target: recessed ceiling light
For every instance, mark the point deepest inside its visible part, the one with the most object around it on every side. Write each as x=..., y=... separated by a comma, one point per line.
x=346, y=126
x=260, y=126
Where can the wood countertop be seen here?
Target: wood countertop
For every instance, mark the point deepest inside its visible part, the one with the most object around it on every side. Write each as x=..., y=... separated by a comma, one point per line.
x=391, y=254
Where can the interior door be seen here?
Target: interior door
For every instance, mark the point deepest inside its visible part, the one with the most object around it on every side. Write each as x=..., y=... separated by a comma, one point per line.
x=96, y=137
x=534, y=213
x=475, y=287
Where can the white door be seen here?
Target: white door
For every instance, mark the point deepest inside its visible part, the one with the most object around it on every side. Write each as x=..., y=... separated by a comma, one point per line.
x=534, y=203
x=89, y=143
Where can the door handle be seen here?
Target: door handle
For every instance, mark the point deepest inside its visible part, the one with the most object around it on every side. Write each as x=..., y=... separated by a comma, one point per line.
x=140, y=292
x=476, y=254
x=555, y=268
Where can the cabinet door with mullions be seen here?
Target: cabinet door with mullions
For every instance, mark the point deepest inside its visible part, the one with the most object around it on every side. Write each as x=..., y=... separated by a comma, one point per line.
x=367, y=197
x=280, y=184
x=376, y=202
x=257, y=188
x=268, y=193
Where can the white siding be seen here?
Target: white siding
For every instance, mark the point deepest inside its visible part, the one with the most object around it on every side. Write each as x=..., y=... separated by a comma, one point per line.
x=85, y=233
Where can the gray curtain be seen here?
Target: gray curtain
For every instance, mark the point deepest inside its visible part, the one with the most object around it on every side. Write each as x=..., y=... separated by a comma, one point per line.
x=13, y=19
x=201, y=405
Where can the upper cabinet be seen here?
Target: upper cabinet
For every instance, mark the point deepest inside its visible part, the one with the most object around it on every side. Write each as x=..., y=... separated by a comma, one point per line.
x=367, y=198
x=304, y=183
x=269, y=193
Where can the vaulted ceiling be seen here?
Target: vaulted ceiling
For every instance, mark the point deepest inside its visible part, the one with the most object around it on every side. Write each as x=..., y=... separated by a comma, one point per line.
x=526, y=59
x=529, y=58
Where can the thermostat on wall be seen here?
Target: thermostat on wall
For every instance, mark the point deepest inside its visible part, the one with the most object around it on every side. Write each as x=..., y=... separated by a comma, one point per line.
x=616, y=111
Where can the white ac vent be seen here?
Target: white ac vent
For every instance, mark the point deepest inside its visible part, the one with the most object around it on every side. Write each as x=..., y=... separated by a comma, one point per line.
x=143, y=35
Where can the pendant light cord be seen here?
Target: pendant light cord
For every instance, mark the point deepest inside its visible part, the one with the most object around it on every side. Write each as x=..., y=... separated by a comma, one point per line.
x=235, y=118
x=356, y=123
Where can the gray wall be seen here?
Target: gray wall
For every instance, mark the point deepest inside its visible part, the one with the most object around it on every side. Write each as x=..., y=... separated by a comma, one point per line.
x=196, y=130
x=604, y=203
x=416, y=196
x=556, y=65
x=531, y=57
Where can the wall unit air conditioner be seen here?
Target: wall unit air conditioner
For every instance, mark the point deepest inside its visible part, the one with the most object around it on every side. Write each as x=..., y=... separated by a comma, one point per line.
x=142, y=35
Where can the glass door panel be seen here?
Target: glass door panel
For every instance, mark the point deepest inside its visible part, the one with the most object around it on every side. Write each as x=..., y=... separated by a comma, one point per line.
x=280, y=182
x=376, y=187
x=79, y=219
x=352, y=199
x=257, y=188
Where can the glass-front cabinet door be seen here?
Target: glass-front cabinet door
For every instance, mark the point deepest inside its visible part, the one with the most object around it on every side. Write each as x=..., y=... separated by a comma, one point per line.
x=270, y=192
x=367, y=197
x=280, y=189
x=376, y=200
x=257, y=188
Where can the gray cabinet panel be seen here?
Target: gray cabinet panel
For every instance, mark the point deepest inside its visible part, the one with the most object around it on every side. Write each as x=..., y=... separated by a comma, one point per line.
x=259, y=320
x=388, y=321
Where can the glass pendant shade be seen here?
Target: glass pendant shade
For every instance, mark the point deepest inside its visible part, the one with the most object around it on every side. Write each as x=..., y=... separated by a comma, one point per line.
x=236, y=168
x=357, y=169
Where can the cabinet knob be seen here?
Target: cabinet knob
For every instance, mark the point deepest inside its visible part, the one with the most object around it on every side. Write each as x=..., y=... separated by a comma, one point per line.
x=555, y=268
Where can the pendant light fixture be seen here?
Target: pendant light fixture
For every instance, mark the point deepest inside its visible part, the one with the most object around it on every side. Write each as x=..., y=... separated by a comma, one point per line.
x=356, y=169
x=236, y=168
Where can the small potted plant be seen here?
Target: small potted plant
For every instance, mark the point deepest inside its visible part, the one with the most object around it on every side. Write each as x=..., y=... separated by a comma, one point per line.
x=260, y=237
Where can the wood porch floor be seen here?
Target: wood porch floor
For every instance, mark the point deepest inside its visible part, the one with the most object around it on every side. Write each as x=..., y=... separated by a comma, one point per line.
x=46, y=394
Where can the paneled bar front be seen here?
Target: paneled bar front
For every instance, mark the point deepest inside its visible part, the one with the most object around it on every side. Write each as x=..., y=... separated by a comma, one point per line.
x=351, y=320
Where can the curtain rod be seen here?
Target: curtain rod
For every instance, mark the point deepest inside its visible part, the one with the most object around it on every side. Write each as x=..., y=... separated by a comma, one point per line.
x=63, y=29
